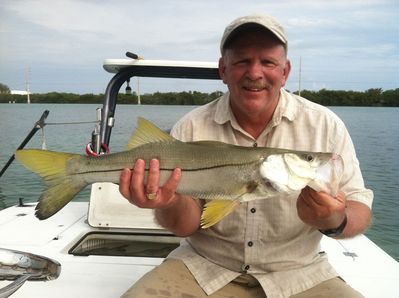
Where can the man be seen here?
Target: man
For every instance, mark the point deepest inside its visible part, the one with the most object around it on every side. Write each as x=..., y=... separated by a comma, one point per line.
x=265, y=248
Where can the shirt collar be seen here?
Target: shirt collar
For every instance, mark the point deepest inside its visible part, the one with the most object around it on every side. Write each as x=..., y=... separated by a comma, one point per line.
x=223, y=111
x=287, y=107
x=224, y=114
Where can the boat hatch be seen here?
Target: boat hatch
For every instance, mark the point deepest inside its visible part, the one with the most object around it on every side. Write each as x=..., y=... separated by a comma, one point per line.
x=126, y=244
x=109, y=209
x=124, y=229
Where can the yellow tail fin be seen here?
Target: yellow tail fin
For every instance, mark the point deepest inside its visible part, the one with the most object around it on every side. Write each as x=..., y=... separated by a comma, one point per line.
x=216, y=210
x=52, y=167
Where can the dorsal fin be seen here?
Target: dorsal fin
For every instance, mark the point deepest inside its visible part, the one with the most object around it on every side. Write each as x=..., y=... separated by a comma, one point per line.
x=147, y=132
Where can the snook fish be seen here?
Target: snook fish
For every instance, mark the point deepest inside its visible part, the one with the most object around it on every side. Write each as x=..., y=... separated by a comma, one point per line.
x=220, y=173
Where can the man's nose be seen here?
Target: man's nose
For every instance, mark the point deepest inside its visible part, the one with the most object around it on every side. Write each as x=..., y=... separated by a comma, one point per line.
x=255, y=71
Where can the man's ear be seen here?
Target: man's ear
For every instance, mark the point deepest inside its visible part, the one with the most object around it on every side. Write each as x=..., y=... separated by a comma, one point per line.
x=222, y=68
x=286, y=72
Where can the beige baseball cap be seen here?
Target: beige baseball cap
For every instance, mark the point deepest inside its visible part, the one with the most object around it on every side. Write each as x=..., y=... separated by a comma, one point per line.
x=262, y=20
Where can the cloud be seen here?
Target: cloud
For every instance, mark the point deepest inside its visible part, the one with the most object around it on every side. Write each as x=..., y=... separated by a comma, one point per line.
x=64, y=42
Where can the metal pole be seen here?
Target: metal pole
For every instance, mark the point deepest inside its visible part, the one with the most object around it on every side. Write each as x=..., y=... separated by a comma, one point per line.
x=27, y=85
x=300, y=75
x=138, y=91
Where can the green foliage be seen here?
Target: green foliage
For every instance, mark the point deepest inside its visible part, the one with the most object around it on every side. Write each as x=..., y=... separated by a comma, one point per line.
x=375, y=97
x=4, y=89
x=370, y=97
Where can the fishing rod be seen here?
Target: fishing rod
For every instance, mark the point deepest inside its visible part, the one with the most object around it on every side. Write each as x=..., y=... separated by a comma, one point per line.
x=38, y=125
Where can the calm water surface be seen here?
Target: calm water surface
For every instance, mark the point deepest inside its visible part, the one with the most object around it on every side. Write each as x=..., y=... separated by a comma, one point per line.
x=374, y=132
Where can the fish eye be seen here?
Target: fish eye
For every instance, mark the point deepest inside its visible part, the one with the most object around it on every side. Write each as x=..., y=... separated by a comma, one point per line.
x=308, y=157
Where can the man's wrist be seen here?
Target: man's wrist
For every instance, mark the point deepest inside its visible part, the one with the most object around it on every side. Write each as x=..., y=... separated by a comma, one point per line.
x=336, y=231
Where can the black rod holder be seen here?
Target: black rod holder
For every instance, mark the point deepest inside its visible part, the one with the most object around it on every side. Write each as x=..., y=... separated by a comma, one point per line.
x=39, y=124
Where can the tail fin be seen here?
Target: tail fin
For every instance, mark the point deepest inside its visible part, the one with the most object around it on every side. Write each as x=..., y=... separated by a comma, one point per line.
x=52, y=167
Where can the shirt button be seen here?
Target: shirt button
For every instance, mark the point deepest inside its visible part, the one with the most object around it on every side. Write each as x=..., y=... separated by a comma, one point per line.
x=253, y=210
x=250, y=243
x=255, y=144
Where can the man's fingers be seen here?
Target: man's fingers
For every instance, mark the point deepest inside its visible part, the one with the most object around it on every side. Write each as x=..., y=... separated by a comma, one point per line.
x=170, y=186
x=131, y=182
x=315, y=199
x=147, y=193
x=307, y=198
x=153, y=177
x=124, y=183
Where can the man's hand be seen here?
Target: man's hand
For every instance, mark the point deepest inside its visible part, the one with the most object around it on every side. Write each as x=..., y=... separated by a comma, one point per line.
x=149, y=194
x=178, y=213
x=321, y=210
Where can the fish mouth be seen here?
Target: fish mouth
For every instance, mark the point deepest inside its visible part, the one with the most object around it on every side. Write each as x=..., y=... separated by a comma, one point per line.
x=328, y=176
x=337, y=165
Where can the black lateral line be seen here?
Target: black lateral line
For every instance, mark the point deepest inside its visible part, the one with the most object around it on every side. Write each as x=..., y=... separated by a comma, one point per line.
x=166, y=169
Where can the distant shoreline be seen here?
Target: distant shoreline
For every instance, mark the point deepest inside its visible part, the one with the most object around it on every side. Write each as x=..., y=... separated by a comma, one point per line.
x=371, y=97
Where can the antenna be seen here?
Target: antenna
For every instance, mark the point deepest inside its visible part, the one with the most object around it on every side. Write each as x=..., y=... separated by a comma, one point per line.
x=300, y=75
x=27, y=79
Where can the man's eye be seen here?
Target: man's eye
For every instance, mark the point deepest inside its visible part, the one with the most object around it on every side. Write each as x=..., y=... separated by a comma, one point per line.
x=269, y=64
x=241, y=62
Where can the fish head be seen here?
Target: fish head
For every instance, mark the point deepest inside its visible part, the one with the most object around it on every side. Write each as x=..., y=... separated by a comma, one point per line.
x=292, y=171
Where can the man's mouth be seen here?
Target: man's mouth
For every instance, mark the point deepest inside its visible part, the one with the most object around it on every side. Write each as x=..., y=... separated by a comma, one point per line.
x=254, y=86
x=253, y=89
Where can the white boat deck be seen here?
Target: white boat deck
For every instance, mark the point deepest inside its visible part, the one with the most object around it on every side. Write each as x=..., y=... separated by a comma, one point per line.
x=81, y=276
x=360, y=262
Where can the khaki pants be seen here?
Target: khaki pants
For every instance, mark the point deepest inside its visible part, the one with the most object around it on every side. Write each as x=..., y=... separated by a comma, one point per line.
x=172, y=279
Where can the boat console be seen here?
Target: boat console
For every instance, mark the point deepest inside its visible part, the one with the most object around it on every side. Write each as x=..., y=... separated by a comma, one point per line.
x=124, y=69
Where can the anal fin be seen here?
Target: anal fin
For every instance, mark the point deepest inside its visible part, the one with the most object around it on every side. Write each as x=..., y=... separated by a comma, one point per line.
x=216, y=210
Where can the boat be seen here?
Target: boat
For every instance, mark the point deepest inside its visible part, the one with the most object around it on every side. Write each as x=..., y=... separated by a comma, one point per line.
x=102, y=247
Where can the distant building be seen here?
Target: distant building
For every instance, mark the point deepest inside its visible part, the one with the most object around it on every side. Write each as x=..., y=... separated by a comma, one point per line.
x=20, y=92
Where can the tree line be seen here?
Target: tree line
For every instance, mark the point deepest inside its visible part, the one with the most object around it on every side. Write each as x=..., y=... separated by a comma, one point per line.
x=157, y=98
x=375, y=97
x=371, y=97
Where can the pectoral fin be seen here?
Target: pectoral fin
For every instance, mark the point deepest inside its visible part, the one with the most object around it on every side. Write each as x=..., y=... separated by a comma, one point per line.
x=216, y=210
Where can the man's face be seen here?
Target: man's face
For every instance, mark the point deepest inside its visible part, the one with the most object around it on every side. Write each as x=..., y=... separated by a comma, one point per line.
x=254, y=68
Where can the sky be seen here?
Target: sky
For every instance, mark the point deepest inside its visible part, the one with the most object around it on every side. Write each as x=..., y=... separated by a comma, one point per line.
x=60, y=45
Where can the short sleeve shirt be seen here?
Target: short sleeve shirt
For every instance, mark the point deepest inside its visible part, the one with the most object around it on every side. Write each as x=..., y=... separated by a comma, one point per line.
x=265, y=238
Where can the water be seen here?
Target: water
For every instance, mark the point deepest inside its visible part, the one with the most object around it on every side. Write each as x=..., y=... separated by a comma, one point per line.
x=17, y=120
x=374, y=132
